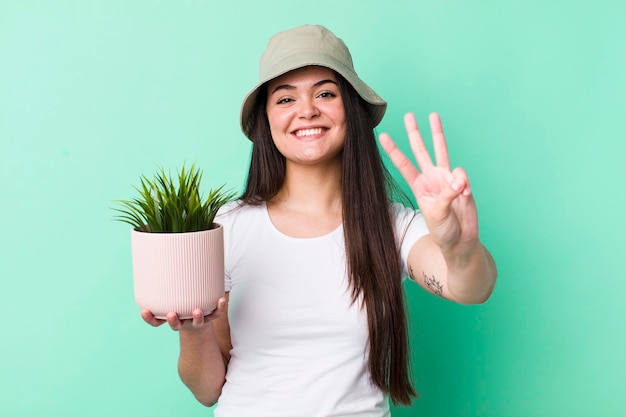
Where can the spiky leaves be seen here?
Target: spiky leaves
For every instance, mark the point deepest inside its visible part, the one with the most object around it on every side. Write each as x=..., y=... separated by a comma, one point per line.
x=166, y=206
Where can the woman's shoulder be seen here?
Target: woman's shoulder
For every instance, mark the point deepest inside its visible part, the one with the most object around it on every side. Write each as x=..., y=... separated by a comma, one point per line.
x=406, y=218
x=400, y=211
x=238, y=210
x=229, y=207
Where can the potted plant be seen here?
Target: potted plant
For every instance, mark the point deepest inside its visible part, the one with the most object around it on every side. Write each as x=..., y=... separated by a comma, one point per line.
x=177, y=249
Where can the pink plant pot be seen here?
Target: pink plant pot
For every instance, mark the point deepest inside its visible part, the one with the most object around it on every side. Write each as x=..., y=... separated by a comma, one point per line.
x=178, y=272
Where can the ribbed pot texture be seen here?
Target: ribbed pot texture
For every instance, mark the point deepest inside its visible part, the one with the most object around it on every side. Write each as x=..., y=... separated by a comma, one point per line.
x=178, y=272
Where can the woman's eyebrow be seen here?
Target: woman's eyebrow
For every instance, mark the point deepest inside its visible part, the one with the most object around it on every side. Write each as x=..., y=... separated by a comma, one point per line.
x=292, y=87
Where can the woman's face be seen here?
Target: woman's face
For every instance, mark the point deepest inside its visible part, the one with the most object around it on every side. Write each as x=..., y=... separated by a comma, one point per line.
x=306, y=115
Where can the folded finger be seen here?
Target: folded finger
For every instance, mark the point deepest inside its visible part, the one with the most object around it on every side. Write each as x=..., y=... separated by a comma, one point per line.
x=460, y=181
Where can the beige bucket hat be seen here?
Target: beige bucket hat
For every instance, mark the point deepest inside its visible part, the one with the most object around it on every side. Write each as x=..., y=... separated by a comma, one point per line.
x=300, y=47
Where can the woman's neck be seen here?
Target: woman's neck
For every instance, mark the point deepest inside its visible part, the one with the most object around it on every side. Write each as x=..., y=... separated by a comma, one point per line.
x=311, y=188
x=309, y=204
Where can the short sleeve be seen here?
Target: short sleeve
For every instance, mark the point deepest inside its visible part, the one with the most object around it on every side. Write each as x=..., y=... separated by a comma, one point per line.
x=410, y=227
x=225, y=217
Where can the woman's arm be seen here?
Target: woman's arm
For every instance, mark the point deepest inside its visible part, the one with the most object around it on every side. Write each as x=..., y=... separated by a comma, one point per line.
x=450, y=261
x=204, y=350
x=466, y=278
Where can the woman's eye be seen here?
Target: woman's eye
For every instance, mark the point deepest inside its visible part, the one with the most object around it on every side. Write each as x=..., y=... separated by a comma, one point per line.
x=327, y=94
x=284, y=100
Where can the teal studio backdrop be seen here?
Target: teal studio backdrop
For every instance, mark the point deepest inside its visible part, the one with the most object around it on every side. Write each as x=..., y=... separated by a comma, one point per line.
x=95, y=93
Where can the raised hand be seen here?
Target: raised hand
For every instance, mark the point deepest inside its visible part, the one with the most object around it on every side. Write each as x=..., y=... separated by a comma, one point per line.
x=443, y=195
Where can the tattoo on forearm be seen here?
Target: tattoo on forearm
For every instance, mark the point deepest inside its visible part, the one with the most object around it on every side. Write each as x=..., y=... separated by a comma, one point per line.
x=411, y=274
x=433, y=285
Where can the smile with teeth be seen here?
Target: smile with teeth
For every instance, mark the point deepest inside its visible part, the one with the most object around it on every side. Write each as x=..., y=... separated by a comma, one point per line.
x=308, y=132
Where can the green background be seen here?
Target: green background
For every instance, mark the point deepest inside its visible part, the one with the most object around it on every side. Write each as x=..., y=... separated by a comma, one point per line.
x=531, y=93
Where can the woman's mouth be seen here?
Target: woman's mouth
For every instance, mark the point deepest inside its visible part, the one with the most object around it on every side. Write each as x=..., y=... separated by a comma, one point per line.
x=304, y=133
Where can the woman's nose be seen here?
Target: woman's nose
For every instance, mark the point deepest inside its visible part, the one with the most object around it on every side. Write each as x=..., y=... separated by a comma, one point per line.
x=308, y=109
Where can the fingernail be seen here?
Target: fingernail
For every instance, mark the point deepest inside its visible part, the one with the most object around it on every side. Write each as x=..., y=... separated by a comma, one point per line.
x=455, y=186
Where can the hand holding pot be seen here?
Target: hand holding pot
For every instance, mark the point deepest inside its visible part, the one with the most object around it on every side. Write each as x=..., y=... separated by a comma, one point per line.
x=197, y=321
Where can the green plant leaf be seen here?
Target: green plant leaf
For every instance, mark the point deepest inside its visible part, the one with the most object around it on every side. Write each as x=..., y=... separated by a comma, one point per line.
x=168, y=206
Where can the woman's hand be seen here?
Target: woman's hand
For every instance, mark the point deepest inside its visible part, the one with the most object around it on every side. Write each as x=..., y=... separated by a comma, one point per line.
x=196, y=322
x=443, y=195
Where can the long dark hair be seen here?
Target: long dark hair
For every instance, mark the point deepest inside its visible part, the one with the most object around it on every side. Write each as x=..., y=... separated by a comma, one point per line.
x=371, y=249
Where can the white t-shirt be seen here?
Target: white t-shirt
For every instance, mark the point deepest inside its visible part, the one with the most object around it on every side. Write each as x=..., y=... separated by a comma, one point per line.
x=300, y=347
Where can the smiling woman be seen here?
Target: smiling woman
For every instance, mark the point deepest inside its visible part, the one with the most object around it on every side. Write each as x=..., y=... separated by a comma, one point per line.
x=313, y=322
x=306, y=116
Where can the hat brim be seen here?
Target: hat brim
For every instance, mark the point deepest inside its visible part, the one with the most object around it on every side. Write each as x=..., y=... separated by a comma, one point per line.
x=375, y=104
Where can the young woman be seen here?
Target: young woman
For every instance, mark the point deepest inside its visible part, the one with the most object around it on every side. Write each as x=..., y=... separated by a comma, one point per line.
x=313, y=321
